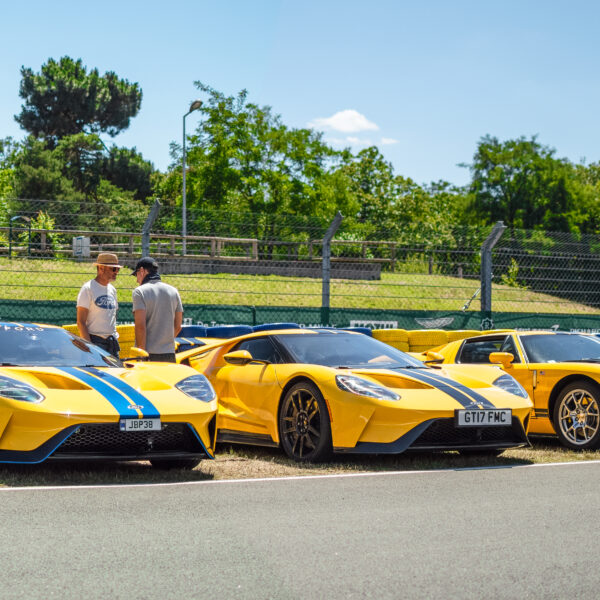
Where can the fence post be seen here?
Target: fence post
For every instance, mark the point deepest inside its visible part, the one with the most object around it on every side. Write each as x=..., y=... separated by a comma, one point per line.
x=148, y=226
x=327, y=266
x=486, y=273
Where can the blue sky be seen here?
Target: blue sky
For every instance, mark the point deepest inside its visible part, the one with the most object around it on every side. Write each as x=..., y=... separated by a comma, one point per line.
x=422, y=80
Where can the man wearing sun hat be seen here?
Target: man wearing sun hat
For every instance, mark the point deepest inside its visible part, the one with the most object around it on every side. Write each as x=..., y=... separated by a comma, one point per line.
x=97, y=305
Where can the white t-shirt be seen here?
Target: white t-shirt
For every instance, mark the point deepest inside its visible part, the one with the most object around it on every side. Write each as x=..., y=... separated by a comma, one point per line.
x=101, y=302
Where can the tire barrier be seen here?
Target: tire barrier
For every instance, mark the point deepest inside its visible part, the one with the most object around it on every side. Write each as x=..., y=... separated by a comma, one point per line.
x=417, y=340
x=398, y=338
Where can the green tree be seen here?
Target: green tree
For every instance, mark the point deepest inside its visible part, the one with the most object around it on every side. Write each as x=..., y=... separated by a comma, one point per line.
x=127, y=169
x=64, y=99
x=521, y=183
x=242, y=158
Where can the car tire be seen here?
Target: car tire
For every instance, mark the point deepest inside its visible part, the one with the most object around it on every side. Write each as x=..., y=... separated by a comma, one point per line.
x=304, y=427
x=174, y=463
x=577, y=416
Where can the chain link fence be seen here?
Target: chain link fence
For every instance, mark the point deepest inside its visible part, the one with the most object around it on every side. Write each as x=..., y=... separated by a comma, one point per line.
x=246, y=267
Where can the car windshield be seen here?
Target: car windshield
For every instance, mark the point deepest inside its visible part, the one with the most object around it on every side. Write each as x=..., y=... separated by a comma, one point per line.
x=39, y=346
x=560, y=347
x=339, y=349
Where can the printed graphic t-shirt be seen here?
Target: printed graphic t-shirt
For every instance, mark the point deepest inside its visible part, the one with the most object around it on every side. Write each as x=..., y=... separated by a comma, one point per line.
x=101, y=302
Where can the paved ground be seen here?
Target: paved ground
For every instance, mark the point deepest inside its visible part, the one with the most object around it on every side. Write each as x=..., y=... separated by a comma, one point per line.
x=498, y=533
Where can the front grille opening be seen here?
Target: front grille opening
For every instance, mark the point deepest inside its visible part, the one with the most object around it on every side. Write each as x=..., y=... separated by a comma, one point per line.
x=108, y=440
x=443, y=433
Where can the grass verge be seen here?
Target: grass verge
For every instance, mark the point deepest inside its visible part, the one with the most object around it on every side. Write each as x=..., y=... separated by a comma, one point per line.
x=23, y=279
x=246, y=462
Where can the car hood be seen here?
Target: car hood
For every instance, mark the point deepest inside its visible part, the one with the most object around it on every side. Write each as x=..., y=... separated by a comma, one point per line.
x=411, y=378
x=148, y=390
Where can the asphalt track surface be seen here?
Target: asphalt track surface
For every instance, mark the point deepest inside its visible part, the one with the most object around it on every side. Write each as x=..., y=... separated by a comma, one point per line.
x=522, y=532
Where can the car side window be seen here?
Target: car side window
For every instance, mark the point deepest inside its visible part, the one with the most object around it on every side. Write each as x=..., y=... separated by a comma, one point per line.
x=478, y=351
x=509, y=346
x=260, y=348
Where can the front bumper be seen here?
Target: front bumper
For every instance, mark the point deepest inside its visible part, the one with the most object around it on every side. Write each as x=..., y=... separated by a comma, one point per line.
x=105, y=441
x=443, y=434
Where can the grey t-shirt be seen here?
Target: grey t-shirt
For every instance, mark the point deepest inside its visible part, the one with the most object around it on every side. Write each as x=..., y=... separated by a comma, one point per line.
x=160, y=301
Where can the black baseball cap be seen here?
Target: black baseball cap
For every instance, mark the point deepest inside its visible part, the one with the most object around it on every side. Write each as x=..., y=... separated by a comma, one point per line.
x=147, y=263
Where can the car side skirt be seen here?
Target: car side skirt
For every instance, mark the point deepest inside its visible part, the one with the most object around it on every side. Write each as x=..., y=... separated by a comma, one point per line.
x=251, y=439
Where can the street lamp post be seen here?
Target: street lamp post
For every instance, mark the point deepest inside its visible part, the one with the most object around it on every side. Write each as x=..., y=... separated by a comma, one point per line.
x=195, y=105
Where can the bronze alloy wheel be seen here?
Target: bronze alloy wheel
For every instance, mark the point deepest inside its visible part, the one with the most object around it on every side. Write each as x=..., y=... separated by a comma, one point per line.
x=304, y=428
x=577, y=416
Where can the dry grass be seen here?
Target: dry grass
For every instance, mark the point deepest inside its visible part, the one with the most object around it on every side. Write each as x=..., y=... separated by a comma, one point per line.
x=245, y=462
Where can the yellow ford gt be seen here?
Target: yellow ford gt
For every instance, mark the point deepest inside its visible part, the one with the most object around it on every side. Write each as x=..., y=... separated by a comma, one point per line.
x=560, y=371
x=314, y=391
x=64, y=398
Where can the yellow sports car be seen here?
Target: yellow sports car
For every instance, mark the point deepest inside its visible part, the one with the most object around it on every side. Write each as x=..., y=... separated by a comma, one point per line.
x=64, y=398
x=314, y=391
x=560, y=371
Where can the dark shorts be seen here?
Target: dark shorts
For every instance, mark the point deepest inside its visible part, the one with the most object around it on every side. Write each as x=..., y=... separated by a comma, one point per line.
x=110, y=344
x=169, y=357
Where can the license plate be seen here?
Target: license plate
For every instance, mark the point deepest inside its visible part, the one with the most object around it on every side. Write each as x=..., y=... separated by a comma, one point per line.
x=483, y=418
x=139, y=424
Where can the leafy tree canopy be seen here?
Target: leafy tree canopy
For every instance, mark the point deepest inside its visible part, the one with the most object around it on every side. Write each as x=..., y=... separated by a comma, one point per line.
x=64, y=99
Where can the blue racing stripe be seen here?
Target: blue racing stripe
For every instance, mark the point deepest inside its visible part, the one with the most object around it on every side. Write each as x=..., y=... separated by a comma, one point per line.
x=148, y=410
x=450, y=387
x=118, y=400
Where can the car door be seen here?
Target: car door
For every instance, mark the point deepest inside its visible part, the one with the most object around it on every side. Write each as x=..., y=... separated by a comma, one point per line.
x=249, y=394
x=477, y=351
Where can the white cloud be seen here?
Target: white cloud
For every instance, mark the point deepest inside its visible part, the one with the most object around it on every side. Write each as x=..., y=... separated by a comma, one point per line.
x=388, y=141
x=349, y=141
x=346, y=121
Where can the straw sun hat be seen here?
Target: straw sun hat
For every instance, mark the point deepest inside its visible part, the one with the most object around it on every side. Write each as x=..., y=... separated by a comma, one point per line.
x=107, y=259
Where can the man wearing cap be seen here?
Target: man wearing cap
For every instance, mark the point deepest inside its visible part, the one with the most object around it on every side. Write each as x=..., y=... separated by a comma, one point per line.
x=97, y=305
x=157, y=311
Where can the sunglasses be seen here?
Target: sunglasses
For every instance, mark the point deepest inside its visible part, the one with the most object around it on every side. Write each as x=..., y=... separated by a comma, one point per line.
x=114, y=269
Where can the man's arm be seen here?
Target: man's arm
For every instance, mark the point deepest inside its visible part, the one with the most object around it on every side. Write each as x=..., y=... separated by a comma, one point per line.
x=139, y=318
x=82, y=315
x=177, y=323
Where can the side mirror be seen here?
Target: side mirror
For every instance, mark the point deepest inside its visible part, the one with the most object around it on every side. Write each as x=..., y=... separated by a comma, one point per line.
x=136, y=353
x=433, y=357
x=504, y=358
x=238, y=357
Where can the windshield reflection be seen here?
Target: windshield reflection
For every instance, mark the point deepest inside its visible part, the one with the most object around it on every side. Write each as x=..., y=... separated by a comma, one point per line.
x=560, y=347
x=346, y=350
x=35, y=345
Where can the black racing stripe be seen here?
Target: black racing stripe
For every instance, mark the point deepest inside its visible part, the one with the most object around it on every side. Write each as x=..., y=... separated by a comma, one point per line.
x=472, y=395
x=476, y=396
x=445, y=385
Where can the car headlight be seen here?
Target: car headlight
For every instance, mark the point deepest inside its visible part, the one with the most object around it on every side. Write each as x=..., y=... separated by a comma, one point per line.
x=363, y=387
x=198, y=387
x=17, y=390
x=509, y=384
